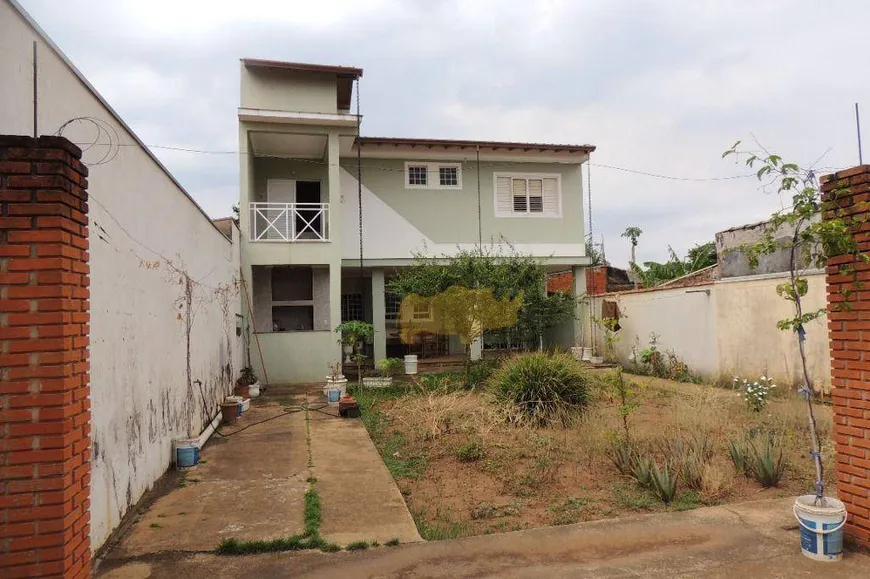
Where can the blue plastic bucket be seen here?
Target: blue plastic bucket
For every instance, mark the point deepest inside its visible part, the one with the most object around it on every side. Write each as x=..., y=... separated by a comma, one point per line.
x=333, y=395
x=186, y=453
x=821, y=527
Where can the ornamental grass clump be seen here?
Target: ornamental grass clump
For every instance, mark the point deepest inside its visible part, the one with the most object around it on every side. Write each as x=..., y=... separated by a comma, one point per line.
x=541, y=388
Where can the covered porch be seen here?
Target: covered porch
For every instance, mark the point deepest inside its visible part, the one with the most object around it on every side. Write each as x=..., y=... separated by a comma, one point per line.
x=364, y=296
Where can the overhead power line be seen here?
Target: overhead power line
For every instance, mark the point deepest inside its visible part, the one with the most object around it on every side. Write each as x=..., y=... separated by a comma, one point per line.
x=381, y=168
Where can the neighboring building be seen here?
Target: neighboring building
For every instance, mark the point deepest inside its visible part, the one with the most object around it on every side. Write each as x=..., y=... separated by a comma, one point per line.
x=303, y=263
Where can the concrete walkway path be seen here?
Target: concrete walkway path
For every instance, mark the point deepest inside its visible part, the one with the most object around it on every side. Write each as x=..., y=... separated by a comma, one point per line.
x=250, y=485
x=757, y=540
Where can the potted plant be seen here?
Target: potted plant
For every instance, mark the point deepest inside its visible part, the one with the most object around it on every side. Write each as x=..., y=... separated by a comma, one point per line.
x=386, y=369
x=335, y=379
x=246, y=380
x=356, y=333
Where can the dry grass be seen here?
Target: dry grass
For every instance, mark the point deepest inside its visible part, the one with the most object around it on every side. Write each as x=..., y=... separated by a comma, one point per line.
x=523, y=476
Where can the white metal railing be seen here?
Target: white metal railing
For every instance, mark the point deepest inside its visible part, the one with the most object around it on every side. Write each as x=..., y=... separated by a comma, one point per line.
x=289, y=221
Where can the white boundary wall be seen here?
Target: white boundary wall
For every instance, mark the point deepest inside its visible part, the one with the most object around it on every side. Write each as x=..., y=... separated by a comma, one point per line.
x=726, y=328
x=145, y=231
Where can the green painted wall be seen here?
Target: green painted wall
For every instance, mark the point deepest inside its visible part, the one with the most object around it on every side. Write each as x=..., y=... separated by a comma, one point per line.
x=450, y=216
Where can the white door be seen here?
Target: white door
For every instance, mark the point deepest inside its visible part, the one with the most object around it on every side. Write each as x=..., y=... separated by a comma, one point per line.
x=280, y=191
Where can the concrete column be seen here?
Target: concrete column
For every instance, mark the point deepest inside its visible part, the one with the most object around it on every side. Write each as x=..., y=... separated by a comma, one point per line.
x=581, y=311
x=333, y=187
x=476, y=349
x=379, y=314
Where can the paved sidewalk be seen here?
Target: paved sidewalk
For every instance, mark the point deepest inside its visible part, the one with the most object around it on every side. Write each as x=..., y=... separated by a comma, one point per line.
x=757, y=540
x=361, y=501
x=250, y=486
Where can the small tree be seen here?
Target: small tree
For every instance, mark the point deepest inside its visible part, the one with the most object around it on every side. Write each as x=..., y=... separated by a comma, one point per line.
x=356, y=333
x=632, y=233
x=461, y=311
x=509, y=276
x=812, y=242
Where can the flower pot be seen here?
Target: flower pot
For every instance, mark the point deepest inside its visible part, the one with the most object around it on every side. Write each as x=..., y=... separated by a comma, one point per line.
x=229, y=412
x=586, y=356
x=597, y=360
x=340, y=383
x=243, y=390
x=378, y=382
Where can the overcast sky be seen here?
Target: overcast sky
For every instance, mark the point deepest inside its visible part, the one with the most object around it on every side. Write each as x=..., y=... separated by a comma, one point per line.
x=659, y=87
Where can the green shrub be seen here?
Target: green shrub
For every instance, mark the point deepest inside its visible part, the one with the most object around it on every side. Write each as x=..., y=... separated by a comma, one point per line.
x=541, y=388
x=390, y=367
x=357, y=546
x=478, y=372
x=470, y=451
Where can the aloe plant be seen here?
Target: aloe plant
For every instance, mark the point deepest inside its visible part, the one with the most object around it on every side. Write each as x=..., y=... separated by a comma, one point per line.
x=664, y=481
x=737, y=451
x=766, y=464
x=642, y=471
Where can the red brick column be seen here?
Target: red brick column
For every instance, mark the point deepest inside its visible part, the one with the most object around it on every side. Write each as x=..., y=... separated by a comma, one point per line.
x=848, y=193
x=44, y=373
x=596, y=280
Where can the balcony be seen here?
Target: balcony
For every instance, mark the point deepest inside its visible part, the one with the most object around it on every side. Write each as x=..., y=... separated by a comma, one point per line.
x=290, y=222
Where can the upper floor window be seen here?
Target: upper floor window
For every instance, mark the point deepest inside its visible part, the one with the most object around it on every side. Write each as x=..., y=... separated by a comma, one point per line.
x=418, y=175
x=433, y=175
x=448, y=176
x=528, y=195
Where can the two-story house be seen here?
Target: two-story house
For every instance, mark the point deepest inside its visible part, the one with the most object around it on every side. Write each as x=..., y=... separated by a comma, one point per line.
x=327, y=216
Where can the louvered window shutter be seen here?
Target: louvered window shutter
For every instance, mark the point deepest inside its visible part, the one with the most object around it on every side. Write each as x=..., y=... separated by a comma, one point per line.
x=550, y=196
x=536, y=196
x=519, y=194
x=503, y=199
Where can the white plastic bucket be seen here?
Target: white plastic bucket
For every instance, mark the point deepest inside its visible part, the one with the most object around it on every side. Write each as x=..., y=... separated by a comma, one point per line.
x=185, y=453
x=410, y=364
x=821, y=527
x=254, y=390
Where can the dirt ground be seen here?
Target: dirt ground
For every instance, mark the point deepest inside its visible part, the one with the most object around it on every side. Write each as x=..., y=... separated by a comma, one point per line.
x=463, y=471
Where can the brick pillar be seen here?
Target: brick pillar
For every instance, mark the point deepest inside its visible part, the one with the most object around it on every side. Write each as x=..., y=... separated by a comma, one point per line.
x=849, y=331
x=596, y=280
x=44, y=372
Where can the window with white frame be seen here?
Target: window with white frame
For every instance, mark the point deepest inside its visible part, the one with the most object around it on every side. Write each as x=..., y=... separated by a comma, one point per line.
x=393, y=304
x=448, y=176
x=422, y=312
x=433, y=175
x=418, y=175
x=528, y=195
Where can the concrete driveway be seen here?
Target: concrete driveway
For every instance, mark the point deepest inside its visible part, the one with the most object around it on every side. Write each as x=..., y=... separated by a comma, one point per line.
x=251, y=482
x=749, y=540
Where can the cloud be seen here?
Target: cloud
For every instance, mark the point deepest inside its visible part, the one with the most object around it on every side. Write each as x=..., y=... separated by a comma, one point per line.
x=660, y=87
